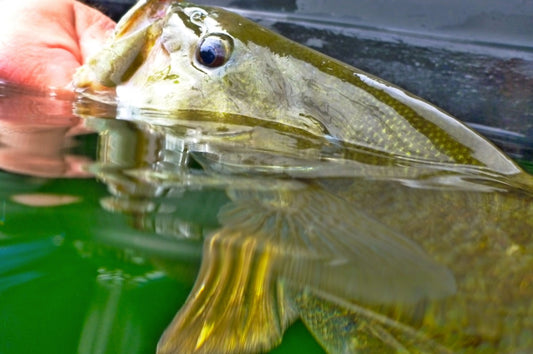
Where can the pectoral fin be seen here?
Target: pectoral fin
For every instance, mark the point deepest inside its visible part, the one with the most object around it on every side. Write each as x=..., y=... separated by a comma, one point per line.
x=237, y=304
x=277, y=244
x=331, y=245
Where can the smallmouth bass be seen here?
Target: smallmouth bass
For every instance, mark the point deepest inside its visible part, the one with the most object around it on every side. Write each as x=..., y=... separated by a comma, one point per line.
x=342, y=238
x=154, y=61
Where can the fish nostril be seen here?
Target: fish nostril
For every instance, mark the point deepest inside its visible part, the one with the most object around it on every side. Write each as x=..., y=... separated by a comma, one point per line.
x=198, y=16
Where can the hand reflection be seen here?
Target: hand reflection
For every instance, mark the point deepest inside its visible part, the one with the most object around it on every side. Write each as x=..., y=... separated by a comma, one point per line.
x=35, y=133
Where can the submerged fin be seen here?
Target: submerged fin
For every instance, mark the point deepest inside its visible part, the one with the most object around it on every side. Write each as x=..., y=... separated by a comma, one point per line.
x=278, y=244
x=237, y=304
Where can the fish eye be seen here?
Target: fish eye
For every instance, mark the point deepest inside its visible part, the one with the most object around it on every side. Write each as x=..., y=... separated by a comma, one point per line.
x=214, y=50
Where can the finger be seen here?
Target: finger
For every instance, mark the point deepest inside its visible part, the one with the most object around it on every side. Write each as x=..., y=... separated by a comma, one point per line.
x=92, y=28
x=26, y=50
x=45, y=52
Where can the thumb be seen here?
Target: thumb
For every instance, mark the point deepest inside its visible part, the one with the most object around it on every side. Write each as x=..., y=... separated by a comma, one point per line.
x=92, y=27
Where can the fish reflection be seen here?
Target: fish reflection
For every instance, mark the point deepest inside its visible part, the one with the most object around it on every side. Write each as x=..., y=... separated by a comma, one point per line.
x=421, y=259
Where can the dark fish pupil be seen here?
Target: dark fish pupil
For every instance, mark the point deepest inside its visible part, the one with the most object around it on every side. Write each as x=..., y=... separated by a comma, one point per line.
x=208, y=54
x=214, y=50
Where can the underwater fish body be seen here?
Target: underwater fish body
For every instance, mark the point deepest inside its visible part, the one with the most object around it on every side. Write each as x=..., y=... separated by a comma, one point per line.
x=349, y=248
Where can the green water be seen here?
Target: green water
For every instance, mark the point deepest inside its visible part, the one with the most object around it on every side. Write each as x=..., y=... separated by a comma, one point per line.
x=77, y=277
x=65, y=289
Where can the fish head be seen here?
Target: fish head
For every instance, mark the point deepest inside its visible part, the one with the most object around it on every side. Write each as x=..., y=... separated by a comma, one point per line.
x=173, y=56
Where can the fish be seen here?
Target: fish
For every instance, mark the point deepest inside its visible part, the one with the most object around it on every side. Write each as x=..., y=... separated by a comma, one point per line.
x=379, y=220
x=155, y=61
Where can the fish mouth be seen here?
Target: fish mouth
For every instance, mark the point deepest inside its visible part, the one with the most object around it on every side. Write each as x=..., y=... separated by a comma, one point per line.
x=133, y=37
x=141, y=38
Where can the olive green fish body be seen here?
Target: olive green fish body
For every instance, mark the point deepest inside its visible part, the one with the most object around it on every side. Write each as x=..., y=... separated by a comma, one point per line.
x=483, y=237
x=264, y=76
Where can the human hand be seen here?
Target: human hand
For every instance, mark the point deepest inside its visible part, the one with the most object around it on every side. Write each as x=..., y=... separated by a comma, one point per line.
x=43, y=42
